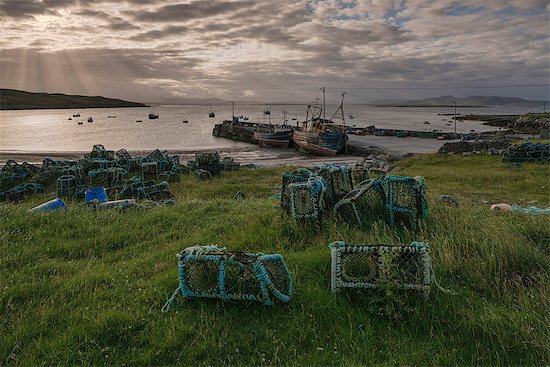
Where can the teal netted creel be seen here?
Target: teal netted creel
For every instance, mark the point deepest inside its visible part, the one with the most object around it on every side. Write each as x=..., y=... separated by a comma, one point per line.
x=213, y=272
x=379, y=266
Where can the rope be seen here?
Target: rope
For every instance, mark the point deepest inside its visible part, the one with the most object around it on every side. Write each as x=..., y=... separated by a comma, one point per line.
x=168, y=303
x=530, y=210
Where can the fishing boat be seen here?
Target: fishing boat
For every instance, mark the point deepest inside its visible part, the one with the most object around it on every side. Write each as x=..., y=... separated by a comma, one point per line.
x=70, y=118
x=274, y=136
x=153, y=116
x=80, y=123
x=211, y=113
x=90, y=119
x=111, y=117
x=76, y=115
x=318, y=135
x=185, y=121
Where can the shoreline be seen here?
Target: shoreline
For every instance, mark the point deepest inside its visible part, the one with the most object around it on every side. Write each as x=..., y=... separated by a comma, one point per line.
x=270, y=157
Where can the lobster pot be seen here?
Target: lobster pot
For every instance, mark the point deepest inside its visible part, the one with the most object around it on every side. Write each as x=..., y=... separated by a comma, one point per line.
x=210, y=272
x=169, y=176
x=405, y=199
x=367, y=202
x=229, y=164
x=375, y=266
x=307, y=200
x=297, y=176
x=339, y=182
x=527, y=152
x=19, y=192
x=149, y=170
x=66, y=186
x=209, y=162
x=99, y=151
x=359, y=174
x=107, y=177
x=100, y=163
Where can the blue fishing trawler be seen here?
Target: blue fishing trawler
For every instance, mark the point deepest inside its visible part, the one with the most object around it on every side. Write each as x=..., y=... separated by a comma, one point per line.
x=320, y=136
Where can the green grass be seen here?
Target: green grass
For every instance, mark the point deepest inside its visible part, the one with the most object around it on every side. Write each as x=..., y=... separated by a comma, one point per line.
x=86, y=288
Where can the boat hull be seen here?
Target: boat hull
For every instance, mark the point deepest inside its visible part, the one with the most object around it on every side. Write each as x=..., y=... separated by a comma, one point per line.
x=279, y=139
x=326, y=143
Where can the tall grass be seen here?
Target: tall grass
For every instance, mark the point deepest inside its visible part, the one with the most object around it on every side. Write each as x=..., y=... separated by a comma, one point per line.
x=86, y=287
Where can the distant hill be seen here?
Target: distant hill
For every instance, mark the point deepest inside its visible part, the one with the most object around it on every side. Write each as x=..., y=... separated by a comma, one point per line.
x=11, y=99
x=472, y=101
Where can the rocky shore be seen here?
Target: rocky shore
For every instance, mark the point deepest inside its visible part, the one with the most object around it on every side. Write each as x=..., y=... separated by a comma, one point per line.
x=530, y=123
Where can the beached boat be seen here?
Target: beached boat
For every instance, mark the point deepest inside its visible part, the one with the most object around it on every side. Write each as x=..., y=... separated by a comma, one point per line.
x=80, y=123
x=274, y=136
x=90, y=119
x=111, y=117
x=153, y=116
x=76, y=115
x=185, y=121
x=318, y=135
x=211, y=113
x=274, y=139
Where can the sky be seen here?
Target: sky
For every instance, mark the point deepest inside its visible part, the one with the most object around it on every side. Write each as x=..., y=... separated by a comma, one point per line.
x=276, y=50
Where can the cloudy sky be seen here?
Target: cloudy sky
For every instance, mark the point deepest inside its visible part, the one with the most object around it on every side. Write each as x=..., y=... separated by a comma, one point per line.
x=276, y=50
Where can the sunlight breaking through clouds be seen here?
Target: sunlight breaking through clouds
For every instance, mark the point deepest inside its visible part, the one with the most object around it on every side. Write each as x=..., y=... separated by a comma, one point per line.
x=266, y=50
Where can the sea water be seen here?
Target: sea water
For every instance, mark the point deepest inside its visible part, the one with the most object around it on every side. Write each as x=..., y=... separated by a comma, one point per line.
x=52, y=131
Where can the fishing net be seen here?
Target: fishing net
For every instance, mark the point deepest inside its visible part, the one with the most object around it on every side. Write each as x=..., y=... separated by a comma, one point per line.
x=366, y=203
x=405, y=199
x=527, y=152
x=212, y=272
x=380, y=266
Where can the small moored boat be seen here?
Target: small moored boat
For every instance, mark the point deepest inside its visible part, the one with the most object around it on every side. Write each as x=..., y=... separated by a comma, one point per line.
x=90, y=119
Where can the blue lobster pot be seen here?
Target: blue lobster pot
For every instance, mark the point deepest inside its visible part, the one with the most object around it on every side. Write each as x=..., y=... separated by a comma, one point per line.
x=95, y=193
x=50, y=206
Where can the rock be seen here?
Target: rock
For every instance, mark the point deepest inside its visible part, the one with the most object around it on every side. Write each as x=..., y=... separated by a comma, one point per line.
x=396, y=169
x=448, y=199
x=503, y=207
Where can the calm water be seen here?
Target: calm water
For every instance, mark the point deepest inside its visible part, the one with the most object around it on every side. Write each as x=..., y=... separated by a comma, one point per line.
x=50, y=130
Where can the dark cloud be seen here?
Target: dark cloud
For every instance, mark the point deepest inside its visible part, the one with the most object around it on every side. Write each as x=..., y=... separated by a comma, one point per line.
x=189, y=11
x=30, y=8
x=157, y=34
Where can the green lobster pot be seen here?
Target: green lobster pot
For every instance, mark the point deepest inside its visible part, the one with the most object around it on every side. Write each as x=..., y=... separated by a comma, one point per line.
x=66, y=186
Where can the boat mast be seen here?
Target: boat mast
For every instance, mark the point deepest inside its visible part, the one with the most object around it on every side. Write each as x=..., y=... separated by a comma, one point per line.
x=324, y=106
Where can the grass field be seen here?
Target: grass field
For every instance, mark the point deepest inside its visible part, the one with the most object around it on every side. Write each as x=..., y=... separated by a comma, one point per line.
x=82, y=287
